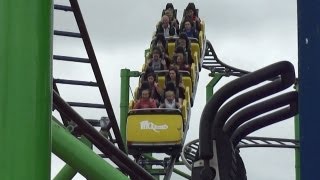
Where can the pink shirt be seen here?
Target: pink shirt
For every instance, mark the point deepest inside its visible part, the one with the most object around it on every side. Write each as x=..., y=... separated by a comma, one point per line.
x=145, y=103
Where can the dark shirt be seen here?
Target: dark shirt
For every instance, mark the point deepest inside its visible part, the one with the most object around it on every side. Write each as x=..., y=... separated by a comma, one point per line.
x=192, y=33
x=172, y=30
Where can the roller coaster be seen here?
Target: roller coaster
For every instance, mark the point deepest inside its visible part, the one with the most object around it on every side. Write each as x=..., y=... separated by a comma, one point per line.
x=227, y=118
x=157, y=130
x=164, y=130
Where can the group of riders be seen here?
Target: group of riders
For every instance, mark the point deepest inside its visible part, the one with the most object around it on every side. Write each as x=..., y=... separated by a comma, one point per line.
x=171, y=94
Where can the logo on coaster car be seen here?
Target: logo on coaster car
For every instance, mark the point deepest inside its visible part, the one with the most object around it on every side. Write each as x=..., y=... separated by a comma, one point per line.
x=150, y=125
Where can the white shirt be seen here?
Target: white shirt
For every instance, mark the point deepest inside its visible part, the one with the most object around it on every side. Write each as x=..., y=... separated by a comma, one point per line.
x=171, y=105
x=166, y=31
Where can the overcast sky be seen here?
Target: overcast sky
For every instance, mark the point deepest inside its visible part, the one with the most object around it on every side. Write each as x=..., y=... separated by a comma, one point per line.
x=247, y=34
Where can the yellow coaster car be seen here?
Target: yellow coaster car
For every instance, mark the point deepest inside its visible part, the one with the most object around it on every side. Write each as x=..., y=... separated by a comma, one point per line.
x=154, y=130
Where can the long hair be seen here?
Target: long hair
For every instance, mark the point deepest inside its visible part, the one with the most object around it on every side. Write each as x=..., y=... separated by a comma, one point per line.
x=178, y=77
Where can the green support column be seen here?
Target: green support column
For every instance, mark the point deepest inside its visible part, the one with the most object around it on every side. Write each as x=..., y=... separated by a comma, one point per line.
x=209, y=88
x=124, y=101
x=80, y=157
x=67, y=172
x=25, y=92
